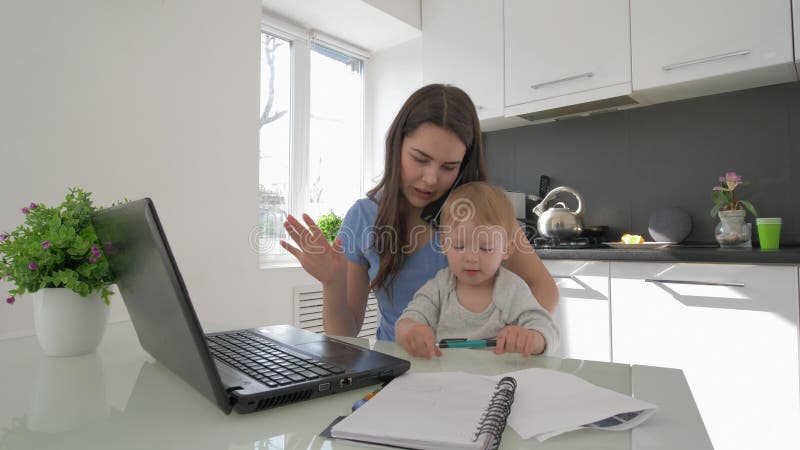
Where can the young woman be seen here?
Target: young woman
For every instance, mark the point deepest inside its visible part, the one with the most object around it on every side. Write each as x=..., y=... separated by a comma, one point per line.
x=384, y=244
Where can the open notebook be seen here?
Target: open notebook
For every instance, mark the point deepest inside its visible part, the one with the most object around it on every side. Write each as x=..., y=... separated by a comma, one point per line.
x=445, y=410
x=449, y=410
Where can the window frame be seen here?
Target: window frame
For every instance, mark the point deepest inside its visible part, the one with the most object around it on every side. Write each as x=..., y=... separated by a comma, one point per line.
x=301, y=40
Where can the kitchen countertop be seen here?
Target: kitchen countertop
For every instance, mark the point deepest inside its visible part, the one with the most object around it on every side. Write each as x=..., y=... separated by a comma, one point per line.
x=700, y=254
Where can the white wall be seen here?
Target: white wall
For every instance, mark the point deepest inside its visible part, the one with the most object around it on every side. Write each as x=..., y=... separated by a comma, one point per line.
x=391, y=76
x=158, y=98
x=153, y=98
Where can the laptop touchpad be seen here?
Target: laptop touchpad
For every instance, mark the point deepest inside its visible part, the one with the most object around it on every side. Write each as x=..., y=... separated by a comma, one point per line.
x=328, y=349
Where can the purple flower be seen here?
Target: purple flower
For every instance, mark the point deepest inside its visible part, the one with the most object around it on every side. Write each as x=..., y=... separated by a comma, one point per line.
x=92, y=260
x=10, y=300
x=32, y=205
x=95, y=251
x=25, y=211
x=731, y=180
x=46, y=244
x=3, y=237
x=33, y=266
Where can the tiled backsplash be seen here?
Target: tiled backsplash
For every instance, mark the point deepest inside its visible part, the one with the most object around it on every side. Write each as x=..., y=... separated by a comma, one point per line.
x=627, y=163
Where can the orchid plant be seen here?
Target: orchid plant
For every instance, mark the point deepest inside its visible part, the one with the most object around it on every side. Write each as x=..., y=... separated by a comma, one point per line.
x=56, y=247
x=724, y=196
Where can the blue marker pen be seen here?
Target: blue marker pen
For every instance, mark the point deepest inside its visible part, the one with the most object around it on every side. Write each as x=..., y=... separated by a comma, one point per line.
x=465, y=343
x=366, y=398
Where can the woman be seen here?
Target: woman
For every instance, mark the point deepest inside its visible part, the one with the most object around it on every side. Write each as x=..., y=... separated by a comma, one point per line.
x=384, y=244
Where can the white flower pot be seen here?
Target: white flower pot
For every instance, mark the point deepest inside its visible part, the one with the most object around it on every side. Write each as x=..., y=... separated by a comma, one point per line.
x=68, y=324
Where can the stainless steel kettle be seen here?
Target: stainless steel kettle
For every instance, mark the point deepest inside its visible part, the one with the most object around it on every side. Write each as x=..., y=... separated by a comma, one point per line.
x=558, y=221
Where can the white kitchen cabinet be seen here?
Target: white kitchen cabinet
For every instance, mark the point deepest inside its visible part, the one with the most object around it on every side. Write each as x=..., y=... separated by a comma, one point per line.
x=564, y=52
x=686, y=48
x=462, y=44
x=732, y=329
x=796, y=28
x=583, y=312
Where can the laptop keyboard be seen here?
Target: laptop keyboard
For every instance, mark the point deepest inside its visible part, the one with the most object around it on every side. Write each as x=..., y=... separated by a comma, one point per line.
x=270, y=363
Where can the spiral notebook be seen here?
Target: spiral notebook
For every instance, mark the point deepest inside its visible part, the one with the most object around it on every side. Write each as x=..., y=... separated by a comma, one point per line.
x=442, y=410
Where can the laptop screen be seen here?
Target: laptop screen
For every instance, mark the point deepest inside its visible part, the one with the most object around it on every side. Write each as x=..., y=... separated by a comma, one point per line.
x=155, y=295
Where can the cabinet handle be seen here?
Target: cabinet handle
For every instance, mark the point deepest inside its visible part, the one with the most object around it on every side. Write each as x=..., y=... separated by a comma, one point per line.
x=701, y=283
x=563, y=277
x=706, y=59
x=574, y=77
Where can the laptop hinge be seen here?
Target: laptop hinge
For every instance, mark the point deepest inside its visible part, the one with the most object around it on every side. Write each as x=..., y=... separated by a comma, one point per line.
x=232, y=397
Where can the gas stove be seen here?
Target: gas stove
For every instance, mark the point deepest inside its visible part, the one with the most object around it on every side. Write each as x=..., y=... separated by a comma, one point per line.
x=574, y=243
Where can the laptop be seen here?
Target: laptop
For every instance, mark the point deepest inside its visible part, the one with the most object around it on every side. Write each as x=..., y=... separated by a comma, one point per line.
x=243, y=370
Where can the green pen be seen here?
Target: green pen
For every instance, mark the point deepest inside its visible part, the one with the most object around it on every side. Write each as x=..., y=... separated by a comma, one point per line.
x=465, y=343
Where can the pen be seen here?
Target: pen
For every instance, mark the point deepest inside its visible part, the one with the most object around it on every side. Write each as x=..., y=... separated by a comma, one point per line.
x=466, y=343
x=361, y=402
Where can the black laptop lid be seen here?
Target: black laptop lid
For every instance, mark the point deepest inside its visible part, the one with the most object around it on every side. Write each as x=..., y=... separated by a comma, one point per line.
x=155, y=295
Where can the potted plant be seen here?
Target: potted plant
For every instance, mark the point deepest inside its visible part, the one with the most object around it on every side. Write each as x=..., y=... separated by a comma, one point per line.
x=329, y=224
x=732, y=231
x=55, y=255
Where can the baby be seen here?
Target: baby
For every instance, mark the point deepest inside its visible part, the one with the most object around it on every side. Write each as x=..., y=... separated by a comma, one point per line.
x=475, y=297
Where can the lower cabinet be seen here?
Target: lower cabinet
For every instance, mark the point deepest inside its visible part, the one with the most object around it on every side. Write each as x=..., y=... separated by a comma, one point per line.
x=732, y=329
x=583, y=309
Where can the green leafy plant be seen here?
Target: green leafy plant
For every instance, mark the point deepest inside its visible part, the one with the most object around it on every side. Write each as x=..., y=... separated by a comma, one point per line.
x=724, y=196
x=329, y=224
x=56, y=247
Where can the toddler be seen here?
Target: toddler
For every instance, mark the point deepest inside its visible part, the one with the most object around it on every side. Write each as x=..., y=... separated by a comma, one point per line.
x=475, y=297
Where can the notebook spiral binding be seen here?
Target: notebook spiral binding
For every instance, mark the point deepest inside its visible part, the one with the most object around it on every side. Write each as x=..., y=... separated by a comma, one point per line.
x=493, y=420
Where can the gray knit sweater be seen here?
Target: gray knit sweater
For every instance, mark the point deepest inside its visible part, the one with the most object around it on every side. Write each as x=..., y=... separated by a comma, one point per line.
x=435, y=304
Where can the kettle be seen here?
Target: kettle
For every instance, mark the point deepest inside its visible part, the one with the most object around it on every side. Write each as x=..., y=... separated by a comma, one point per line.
x=558, y=221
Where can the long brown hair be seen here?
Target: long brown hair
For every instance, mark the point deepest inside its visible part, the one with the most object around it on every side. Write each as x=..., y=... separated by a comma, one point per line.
x=442, y=105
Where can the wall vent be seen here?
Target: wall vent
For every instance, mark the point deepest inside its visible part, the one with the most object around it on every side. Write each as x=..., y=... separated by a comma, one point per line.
x=308, y=310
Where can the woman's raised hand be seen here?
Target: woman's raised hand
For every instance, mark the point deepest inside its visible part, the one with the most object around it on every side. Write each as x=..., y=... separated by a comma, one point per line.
x=323, y=261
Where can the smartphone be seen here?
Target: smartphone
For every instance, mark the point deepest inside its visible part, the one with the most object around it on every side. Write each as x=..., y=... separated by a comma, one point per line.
x=430, y=213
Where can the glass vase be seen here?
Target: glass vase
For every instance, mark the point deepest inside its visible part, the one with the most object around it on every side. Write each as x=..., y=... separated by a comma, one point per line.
x=732, y=231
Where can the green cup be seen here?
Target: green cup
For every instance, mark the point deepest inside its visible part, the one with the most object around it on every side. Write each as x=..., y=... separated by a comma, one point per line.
x=769, y=232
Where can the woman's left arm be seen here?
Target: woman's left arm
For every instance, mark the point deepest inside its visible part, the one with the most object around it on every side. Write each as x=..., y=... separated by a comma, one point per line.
x=525, y=263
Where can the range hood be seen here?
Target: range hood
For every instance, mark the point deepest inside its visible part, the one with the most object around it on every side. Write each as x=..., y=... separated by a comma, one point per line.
x=592, y=107
x=629, y=95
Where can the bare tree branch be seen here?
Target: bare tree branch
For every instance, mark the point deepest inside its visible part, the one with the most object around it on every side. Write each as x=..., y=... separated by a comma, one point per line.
x=270, y=46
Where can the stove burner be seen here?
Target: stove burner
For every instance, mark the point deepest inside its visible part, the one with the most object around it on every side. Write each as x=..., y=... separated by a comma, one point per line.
x=579, y=242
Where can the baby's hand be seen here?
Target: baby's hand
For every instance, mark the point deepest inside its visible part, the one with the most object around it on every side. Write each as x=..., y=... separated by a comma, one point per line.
x=514, y=339
x=417, y=339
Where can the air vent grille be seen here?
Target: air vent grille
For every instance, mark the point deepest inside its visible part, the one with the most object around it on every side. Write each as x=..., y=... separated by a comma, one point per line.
x=284, y=399
x=308, y=311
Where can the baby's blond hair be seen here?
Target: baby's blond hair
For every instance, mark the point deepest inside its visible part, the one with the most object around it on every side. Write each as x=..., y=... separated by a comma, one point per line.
x=481, y=203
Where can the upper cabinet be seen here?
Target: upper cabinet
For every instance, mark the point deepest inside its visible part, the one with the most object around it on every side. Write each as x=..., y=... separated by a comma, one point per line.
x=462, y=44
x=686, y=48
x=544, y=59
x=565, y=52
x=796, y=28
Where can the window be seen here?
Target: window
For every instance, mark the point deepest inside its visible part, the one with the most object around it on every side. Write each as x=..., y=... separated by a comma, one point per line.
x=311, y=137
x=275, y=141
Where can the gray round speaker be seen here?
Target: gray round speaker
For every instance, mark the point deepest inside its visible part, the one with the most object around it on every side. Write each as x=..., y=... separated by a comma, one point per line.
x=669, y=224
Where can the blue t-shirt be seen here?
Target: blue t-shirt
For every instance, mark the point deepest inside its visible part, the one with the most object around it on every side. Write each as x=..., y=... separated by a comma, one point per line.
x=357, y=233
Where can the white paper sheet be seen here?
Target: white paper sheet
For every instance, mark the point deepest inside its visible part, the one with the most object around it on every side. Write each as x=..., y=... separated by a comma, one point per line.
x=548, y=403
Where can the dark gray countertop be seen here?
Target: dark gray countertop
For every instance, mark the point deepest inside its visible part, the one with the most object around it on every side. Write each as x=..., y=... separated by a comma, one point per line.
x=788, y=255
